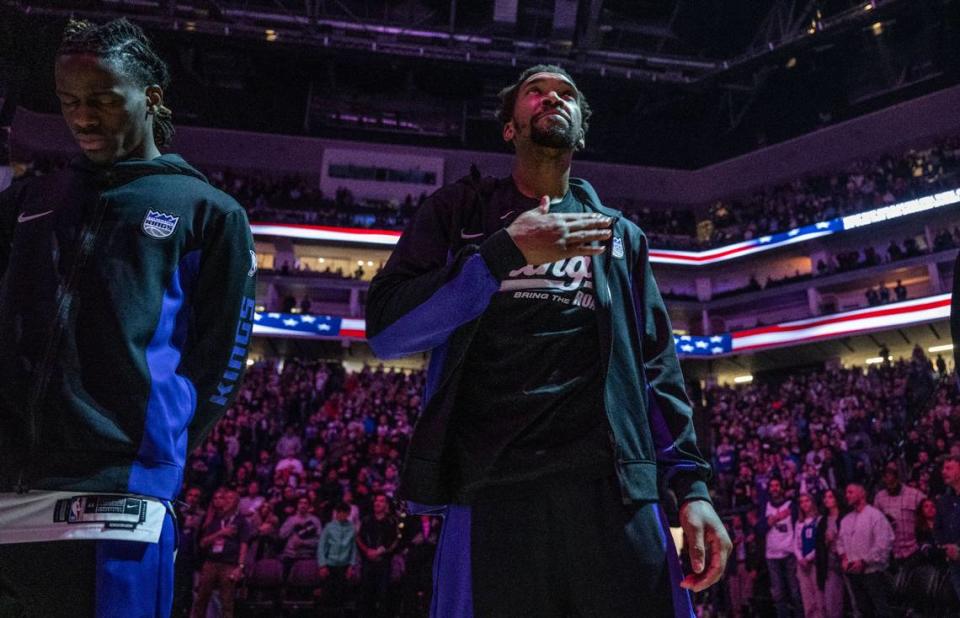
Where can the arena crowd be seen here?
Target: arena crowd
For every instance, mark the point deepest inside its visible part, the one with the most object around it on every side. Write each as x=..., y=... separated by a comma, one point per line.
x=863, y=185
x=839, y=488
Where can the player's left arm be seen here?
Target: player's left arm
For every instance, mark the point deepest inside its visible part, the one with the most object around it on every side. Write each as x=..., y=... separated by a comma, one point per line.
x=222, y=325
x=671, y=423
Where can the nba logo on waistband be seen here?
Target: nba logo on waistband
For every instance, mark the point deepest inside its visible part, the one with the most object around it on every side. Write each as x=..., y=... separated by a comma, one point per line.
x=159, y=224
x=617, y=249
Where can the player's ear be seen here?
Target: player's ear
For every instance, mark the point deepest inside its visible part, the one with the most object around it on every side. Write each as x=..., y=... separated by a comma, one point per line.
x=509, y=131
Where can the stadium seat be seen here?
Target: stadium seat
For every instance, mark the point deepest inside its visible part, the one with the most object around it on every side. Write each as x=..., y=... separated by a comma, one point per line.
x=264, y=585
x=299, y=591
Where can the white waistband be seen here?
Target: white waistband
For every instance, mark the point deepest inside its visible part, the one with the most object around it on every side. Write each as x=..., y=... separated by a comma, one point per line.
x=40, y=516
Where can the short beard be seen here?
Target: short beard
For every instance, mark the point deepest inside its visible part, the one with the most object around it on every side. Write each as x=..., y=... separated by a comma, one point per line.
x=560, y=136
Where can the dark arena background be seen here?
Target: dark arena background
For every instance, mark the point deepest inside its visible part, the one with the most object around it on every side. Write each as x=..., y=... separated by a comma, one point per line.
x=795, y=165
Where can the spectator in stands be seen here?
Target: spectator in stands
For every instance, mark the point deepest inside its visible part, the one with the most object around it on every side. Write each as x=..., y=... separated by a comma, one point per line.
x=264, y=469
x=862, y=186
x=781, y=517
x=289, y=446
x=805, y=550
x=812, y=483
x=337, y=556
x=300, y=534
x=941, y=365
x=223, y=543
x=864, y=545
x=378, y=539
x=744, y=489
x=725, y=461
x=741, y=569
x=883, y=293
x=290, y=464
x=420, y=538
x=266, y=527
x=251, y=500
x=900, y=291
x=190, y=517
x=899, y=503
x=819, y=409
x=926, y=520
x=829, y=567
x=947, y=522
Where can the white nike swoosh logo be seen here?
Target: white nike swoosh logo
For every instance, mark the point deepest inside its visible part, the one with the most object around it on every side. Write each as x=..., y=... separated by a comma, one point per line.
x=506, y=215
x=465, y=235
x=24, y=218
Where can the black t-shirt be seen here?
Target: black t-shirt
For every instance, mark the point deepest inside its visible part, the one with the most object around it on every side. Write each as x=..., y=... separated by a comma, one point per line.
x=378, y=532
x=530, y=403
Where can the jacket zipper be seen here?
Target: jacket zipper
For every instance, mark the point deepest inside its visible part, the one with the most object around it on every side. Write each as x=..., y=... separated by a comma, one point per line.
x=88, y=235
x=606, y=369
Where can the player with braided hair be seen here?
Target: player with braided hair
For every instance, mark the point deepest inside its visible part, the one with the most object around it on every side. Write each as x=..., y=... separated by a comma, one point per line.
x=126, y=308
x=124, y=51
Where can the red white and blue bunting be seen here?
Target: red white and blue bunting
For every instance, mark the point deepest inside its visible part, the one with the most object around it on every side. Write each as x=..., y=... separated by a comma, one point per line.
x=798, y=332
x=388, y=238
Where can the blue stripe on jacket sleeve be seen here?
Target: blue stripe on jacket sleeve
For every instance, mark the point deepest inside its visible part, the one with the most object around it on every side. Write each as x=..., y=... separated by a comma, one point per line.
x=458, y=301
x=664, y=442
x=158, y=468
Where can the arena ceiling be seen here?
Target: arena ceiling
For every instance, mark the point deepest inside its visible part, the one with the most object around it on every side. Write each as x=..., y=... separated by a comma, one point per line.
x=675, y=84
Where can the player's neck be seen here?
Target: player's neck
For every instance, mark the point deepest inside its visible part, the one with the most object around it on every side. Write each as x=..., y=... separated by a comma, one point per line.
x=542, y=173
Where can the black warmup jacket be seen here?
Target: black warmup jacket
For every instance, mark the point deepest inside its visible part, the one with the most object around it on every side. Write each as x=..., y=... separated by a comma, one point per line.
x=126, y=307
x=439, y=280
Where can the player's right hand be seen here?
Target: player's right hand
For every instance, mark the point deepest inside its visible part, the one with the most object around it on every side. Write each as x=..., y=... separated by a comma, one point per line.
x=544, y=237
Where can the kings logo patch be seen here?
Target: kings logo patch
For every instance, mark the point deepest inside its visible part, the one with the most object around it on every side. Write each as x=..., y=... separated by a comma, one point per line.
x=159, y=224
x=617, y=248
